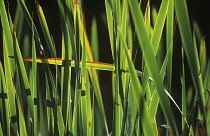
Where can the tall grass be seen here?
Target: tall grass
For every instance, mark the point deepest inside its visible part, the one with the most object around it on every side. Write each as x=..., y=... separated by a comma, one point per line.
x=39, y=99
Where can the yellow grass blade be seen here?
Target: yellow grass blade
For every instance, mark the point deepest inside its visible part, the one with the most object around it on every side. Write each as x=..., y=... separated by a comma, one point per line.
x=89, y=65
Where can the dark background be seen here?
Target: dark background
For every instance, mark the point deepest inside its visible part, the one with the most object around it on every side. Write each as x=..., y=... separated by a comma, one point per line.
x=198, y=10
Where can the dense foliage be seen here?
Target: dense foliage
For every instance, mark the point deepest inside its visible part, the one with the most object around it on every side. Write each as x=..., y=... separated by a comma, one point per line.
x=65, y=98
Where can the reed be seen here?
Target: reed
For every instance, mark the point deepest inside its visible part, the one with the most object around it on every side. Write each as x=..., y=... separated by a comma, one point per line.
x=62, y=96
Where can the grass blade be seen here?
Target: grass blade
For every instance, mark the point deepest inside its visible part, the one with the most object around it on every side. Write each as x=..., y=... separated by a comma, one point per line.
x=6, y=30
x=184, y=104
x=10, y=90
x=32, y=26
x=34, y=87
x=93, y=74
x=45, y=29
x=151, y=62
x=23, y=75
x=146, y=120
x=5, y=124
x=94, y=40
x=22, y=125
x=169, y=40
x=66, y=95
x=190, y=50
x=89, y=65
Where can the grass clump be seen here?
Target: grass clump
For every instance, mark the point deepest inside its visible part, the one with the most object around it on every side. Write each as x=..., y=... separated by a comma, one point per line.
x=65, y=98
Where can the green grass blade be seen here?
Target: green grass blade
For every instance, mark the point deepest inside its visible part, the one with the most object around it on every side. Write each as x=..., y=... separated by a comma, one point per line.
x=83, y=90
x=156, y=34
x=1, y=132
x=5, y=124
x=153, y=105
x=94, y=40
x=198, y=33
x=43, y=120
x=207, y=86
x=151, y=62
x=22, y=125
x=24, y=76
x=52, y=97
x=94, y=77
x=118, y=92
x=66, y=96
x=76, y=106
x=32, y=26
x=10, y=90
x=49, y=107
x=190, y=49
x=160, y=21
x=45, y=29
x=6, y=29
x=124, y=76
x=203, y=57
x=78, y=23
x=19, y=22
x=147, y=16
x=87, y=114
x=109, y=14
x=61, y=124
x=184, y=104
x=34, y=89
x=146, y=120
x=169, y=41
x=206, y=83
